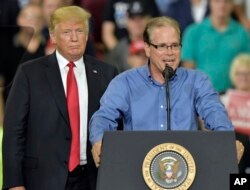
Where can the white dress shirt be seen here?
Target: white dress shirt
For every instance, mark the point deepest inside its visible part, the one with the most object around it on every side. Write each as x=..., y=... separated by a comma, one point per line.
x=82, y=85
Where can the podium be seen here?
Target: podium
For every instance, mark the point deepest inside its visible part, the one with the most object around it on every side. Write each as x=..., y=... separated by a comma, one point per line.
x=124, y=152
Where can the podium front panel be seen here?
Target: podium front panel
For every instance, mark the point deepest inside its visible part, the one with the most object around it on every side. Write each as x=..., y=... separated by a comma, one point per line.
x=123, y=153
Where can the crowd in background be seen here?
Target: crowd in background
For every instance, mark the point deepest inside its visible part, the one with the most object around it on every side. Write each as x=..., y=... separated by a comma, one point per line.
x=215, y=34
x=211, y=36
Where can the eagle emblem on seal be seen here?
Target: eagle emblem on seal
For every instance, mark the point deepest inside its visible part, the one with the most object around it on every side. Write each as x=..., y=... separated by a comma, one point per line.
x=169, y=169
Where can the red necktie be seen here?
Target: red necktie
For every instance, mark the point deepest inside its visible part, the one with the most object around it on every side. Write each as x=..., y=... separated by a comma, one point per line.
x=74, y=117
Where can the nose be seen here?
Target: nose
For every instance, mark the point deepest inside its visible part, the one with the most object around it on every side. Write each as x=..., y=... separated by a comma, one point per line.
x=74, y=36
x=169, y=50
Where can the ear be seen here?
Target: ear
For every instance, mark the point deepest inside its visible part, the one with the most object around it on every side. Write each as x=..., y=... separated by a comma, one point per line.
x=147, y=49
x=19, y=20
x=52, y=37
x=87, y=37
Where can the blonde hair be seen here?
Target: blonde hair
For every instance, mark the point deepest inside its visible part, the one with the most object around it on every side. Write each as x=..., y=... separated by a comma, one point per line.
x=241, y=60
x=70, y=13
x=160, y=22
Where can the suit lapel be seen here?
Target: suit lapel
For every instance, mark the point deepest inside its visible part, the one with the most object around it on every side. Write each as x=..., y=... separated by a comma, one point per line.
x=55, y=82
x=94, y=81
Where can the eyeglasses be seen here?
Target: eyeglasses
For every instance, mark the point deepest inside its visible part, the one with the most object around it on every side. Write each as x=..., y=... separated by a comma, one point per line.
x=163, y=47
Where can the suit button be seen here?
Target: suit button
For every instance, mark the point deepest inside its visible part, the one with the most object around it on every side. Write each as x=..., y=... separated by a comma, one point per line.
x=66, y=163
x=68, y=138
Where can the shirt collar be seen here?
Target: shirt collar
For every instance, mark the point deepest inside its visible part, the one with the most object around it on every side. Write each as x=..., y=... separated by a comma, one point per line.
x=208, y=23
x=63, y=62
x=145, y=73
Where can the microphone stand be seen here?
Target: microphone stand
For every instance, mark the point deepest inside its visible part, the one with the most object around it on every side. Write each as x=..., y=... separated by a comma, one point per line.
x=167, y=74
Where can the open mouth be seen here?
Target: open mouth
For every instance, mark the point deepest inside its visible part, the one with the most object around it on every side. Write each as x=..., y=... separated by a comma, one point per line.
x=169, y=61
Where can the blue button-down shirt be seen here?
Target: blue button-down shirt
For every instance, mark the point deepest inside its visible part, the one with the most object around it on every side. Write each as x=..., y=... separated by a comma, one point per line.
x=141, y=101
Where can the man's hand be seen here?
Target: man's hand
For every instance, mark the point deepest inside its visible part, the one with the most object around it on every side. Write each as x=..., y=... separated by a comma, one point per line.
x=240, y=150
x=96, y=152
x=17, y=188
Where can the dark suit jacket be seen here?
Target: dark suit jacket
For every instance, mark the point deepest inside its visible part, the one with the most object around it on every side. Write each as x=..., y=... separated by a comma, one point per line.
x=37, y=136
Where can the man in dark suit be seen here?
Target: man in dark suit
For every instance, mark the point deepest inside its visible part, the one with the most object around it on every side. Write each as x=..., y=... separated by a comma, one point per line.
x=37, y=125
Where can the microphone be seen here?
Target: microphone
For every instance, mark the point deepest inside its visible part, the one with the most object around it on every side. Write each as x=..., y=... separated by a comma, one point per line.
x=167, y=74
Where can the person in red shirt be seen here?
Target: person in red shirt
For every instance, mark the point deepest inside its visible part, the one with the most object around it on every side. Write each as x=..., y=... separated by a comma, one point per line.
x=237, y=103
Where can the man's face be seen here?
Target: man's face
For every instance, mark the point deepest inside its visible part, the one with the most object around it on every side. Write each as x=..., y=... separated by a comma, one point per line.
x=70, y=39
x=163, y=55
x=221, y=9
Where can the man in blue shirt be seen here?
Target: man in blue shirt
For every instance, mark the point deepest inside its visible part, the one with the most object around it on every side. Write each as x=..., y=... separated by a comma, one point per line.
x=138, y=96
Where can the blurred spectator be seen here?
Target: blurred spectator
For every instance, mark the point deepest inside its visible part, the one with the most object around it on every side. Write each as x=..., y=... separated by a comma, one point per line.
x=137, y=56
x=31, y=23
x=114, y=19
x=237, y=100
x=199, y=10
x=211, y=45
x=28, y=43
x=130, y=47
x=48, y=7
x=185, y=12
x=237, y=103
x=95, y=7
x=242, y=12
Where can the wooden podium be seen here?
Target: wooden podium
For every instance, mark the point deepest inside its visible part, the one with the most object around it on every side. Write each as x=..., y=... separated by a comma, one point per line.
x=123, y=154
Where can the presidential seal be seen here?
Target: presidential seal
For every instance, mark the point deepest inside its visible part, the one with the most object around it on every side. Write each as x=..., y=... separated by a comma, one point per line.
x=169, y=166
